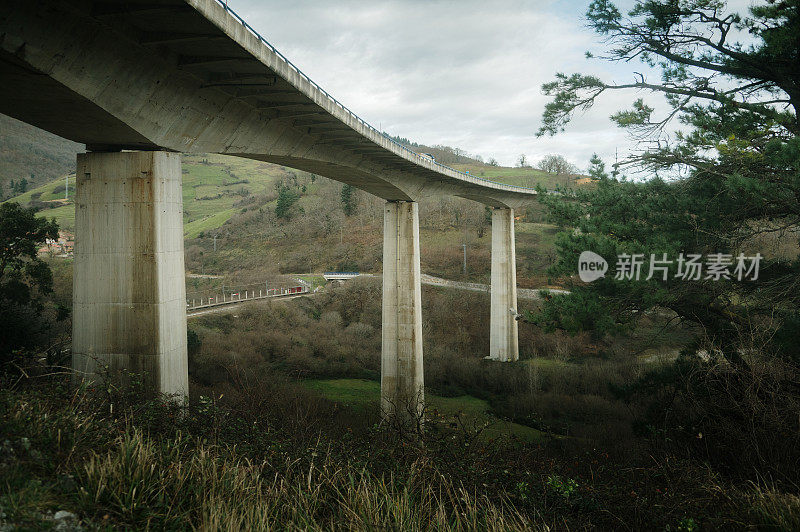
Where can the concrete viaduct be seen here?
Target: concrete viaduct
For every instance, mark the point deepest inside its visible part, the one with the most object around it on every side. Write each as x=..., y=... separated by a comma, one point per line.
x=142, y=81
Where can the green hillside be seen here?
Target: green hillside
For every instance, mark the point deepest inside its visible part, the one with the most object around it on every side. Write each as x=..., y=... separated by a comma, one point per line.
x=27, y=152
x=214, y=184
x=234, y=200
x=523, y=177
x=51, y=191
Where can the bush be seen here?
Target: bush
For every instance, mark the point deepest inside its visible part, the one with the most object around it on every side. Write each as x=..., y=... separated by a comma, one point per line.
x=743, y=419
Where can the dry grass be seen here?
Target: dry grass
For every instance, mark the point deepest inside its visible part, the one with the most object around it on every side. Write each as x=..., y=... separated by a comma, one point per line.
x=158, y=466
x=777, y=509
x=270, y=460
x=175, y=483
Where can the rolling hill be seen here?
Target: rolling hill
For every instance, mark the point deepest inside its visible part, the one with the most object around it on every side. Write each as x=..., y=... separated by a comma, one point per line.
x=27, y=152
x=214, y=184
x=232, y=226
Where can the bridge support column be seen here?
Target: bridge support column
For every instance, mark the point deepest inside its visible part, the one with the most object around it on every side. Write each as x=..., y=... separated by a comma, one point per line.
x=402, y=387
x=129, y=297
x=503, y=340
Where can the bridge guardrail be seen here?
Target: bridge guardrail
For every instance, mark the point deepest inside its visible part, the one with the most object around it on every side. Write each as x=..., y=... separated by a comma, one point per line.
x=302, y=74
x=249, y=295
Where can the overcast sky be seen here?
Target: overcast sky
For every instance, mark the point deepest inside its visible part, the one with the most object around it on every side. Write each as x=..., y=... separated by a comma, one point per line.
x=464, y=73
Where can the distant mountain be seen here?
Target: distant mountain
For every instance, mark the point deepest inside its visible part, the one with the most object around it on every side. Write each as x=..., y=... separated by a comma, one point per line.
x=29, y=153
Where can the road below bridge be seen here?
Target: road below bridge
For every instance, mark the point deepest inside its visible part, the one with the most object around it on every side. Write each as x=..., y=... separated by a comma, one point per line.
x=522, y=293
x=233, y=305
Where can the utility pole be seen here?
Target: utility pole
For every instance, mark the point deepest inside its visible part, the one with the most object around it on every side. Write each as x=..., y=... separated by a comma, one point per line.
x=464, y=244
x=66, y=187
x=215, y=243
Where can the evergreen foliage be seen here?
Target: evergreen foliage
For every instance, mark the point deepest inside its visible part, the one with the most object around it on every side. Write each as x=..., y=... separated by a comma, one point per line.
x=348, y=201
x=24, y=277
x=730, y=183
x=287, y=197
x=738, y=159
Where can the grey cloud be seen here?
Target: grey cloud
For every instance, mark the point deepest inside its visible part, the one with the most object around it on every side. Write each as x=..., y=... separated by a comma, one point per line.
x=462, y=73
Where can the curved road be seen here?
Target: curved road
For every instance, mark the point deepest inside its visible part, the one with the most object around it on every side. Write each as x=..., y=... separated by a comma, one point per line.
x=522, y=293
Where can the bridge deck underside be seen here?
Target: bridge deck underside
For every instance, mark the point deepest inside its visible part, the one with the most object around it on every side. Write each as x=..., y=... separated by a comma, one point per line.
x=184, y=75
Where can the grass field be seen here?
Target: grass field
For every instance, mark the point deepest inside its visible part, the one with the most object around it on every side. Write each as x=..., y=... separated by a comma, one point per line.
x=358, y=393
x=195, y=228
x=64, y=215
x=313, y=280
x=52, y=194
x=212, y=184
x=541, y=362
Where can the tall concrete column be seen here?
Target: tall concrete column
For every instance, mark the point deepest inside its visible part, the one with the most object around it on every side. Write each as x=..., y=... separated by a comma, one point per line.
x=402, y=388
x=503, y=340
x=129, y=297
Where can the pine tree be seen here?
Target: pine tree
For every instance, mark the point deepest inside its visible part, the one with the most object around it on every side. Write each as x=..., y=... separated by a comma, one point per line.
x=348, y=201
x=286, y=199
x=733, y=171
x=597, y=168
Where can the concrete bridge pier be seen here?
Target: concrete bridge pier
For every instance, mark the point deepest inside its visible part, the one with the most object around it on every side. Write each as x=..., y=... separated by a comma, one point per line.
x=128, y=289
x=402, y=387
x=503, y=340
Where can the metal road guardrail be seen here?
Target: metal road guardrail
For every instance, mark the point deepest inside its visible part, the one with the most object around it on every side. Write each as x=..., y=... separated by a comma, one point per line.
x=237, y=297
x=339, y=275
x=416, y=155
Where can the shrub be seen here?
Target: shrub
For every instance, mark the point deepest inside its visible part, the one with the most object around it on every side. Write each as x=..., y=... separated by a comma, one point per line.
x=743, y=419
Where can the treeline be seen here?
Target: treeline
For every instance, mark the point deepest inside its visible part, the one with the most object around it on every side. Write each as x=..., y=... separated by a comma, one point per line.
x=442, y=154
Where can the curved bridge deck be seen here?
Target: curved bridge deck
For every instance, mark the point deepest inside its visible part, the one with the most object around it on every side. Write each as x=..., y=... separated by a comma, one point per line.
x=192, y=76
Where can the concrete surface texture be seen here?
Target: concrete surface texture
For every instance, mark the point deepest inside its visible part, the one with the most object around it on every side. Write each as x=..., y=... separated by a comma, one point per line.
x=402, y=385
x=503, y=340
x=129, y=293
